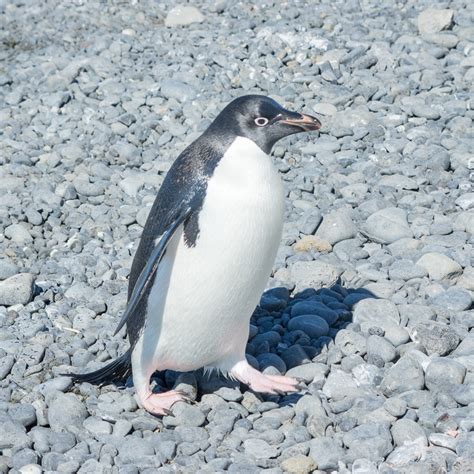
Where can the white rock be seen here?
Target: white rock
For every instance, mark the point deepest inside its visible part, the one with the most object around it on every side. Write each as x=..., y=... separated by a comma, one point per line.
x=183, y=15
x=17, y=289
x=439, y=266
x=433, y=20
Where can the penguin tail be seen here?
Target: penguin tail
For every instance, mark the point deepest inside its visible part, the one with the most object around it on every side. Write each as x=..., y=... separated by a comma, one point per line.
x=116, y=372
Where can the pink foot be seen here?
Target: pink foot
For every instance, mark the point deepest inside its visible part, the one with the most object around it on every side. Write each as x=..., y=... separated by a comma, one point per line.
x=161, y=403
x=276, y=384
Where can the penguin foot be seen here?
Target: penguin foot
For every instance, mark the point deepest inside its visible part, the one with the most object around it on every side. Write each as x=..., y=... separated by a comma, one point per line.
x=258, y=382
x=161, y=403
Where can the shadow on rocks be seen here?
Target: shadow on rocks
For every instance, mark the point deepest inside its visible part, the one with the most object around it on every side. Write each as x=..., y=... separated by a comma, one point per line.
x=290, y=334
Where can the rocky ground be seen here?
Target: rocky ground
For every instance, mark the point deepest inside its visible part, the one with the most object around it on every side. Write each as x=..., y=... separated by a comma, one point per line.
x=371, y=299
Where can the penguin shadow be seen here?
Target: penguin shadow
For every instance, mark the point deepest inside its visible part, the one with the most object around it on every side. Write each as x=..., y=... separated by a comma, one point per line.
x=290, y=334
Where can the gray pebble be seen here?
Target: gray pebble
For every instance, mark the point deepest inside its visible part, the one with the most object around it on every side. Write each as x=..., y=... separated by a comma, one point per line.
x=442, y=373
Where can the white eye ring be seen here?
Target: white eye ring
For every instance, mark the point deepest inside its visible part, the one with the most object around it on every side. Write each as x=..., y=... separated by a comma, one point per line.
x=261, y=121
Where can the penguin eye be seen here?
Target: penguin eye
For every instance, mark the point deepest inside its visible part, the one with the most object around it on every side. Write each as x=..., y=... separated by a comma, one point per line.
x=261, y=121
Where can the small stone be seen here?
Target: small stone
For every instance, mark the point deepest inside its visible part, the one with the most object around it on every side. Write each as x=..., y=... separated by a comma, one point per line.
x=337, y=226
x=350, y=342
x=172, y=89
x=12, y=434
x=312, y=325
x=183, y=15
x=404, y=269
x=453, y=299
x=97, y=427
x=66, y=411
x=439, y=266
x=465, y=201
x=326, y=452
x=405, y=375
x=24, y=413
x=375, y=312
x=407, y=431
x=434, y=20
x=298, y=465
x=18, y=233
x=435, y=337
x=18, y=289
x=186, y=415
x=381, y=348
x=312, y=242
x=314, y=274
x=7, y=268
x=309, y=373
x=259, y=449
x=442, y=373
x=395, y=406
x=370, y=440
x=388, y=225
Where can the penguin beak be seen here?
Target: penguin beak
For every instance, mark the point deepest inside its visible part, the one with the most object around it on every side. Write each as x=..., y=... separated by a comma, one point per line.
x=306, y=122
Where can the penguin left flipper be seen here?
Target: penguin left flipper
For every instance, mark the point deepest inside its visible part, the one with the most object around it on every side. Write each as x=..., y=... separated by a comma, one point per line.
x=147, y=274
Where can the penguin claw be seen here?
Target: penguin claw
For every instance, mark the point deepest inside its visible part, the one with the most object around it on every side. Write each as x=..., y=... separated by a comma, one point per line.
x=160, y=403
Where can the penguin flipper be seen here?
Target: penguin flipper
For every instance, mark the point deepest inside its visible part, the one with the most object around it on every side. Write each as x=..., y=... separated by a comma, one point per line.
x=147, y=274
x=119, y=369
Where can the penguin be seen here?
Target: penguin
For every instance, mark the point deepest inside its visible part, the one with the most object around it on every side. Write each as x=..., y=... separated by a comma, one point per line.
x=206, y=254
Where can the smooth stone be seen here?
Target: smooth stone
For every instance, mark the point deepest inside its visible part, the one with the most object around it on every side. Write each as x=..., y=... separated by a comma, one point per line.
x=17, y=289
x=312, y=325
x=66, y=411
x=381, y=348
x=407, y=431
x=336, y=226
x=453, y=299
x=439, y=266
x=388, y=225
x=309, y=373
x=18, y=233
x=259, y=449
x=8, y=268
x=183, y=15
x=404, y=375
x=370, y=440
x=298, y=465
x=442, y=373
x=326, y=453
x=434, y=20
x=404, y=269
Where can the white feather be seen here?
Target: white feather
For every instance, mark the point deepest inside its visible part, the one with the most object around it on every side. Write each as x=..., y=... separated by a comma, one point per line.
x=203, y=296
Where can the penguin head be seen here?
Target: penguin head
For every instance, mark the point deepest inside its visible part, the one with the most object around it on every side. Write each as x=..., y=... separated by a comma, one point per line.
x=262, y=120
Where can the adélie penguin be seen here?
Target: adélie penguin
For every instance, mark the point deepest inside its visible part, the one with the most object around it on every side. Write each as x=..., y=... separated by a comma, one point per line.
x=205, y=255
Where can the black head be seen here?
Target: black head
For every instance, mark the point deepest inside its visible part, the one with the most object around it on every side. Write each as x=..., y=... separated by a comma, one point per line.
x=262, y=120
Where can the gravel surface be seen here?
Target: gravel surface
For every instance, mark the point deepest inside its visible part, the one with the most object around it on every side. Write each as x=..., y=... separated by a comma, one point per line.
x=371, y=297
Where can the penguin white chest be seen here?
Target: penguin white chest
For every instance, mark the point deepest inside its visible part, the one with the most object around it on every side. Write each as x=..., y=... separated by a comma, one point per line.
x=203, y=296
